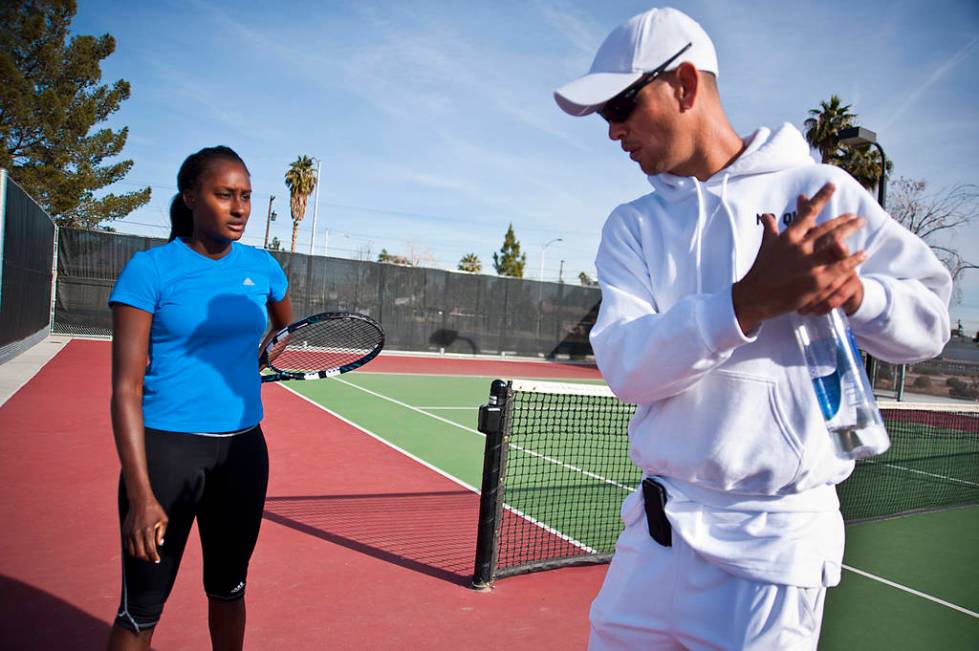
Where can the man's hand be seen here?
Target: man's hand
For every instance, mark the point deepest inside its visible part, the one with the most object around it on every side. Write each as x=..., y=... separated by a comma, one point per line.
x=807, y=268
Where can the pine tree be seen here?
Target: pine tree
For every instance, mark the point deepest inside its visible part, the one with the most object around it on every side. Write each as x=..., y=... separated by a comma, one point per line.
x=509, y=261
x=51, y=100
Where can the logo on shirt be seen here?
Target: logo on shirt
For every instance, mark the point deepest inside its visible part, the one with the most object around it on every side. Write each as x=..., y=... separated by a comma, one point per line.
x=786, y=219
x=248, y=282
x=238, y=588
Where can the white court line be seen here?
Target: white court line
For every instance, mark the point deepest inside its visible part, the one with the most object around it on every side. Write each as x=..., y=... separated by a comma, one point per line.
x=532, y=453
x=922, y=472
x=411, y=407
x=558, y=462
x=912, y=591
x=447, y=408
x=549, y=529
x=379, y=438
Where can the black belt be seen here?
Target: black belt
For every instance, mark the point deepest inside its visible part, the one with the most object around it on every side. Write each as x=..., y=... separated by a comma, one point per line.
x=654, y=496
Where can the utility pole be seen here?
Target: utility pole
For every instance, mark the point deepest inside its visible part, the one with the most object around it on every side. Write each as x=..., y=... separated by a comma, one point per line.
x=268, y=221
x=560, y=273
x=316, y=205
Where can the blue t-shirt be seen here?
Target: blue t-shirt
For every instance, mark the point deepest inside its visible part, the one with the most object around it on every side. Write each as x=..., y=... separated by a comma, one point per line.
x=208, y=320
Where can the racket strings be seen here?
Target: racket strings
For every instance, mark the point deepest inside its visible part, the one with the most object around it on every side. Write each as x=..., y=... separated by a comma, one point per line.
x=325, y=345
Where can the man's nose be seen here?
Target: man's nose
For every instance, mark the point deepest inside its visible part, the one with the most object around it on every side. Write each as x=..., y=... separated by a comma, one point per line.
x=616, y=130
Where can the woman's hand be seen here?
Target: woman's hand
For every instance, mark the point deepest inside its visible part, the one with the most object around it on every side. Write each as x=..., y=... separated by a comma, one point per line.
x=144, y=528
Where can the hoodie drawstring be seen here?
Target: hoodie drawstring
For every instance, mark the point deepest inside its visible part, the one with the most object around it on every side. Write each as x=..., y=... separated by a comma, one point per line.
x=702, y=225
x=699, y=235
x=734, y=229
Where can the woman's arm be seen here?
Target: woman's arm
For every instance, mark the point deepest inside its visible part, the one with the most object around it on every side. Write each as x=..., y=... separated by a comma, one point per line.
x=280, y=315
x=146, y=521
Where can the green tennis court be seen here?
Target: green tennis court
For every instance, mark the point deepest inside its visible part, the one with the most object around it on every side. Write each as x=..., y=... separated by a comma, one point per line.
x=910, y=583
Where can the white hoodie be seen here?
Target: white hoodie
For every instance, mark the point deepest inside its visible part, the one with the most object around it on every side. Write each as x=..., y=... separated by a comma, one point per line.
x=729, y=421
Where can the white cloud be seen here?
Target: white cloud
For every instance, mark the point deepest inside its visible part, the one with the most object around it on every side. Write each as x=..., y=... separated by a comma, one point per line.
x=584, y=33
x=936, y=75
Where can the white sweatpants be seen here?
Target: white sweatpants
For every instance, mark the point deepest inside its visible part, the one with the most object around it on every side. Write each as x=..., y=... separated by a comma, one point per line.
x=658, y=597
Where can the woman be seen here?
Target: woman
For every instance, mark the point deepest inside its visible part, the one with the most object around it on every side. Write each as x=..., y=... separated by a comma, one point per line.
x=187, y=424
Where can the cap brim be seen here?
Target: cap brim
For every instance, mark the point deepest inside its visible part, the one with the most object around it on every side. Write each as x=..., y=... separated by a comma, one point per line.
x=586, y=94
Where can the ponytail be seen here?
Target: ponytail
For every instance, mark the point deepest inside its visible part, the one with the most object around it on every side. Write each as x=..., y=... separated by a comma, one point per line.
x=181, y=216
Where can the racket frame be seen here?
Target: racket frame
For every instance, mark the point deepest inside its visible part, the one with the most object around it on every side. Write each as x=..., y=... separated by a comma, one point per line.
x=279, y=375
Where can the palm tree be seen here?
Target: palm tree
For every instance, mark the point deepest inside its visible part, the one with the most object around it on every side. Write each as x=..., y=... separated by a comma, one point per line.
x=301, y=180
x=470, y=263
x=824, y=123
x=862, y=163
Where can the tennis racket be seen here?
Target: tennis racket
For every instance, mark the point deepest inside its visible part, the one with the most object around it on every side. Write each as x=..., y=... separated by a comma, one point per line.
x=322, y=345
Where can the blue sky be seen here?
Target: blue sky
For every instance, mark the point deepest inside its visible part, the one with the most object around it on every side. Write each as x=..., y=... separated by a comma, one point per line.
x=436, y=128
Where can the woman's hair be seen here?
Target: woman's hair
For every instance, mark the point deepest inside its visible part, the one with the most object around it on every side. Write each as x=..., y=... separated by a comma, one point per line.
x=181, y=218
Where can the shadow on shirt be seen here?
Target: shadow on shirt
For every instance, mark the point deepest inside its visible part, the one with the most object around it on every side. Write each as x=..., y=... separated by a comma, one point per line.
x=227, y=341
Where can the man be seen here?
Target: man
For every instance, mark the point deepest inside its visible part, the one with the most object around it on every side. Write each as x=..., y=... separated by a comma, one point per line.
x=742, y=532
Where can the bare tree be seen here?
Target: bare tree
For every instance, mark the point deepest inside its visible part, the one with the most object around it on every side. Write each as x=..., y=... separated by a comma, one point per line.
x=935, y=217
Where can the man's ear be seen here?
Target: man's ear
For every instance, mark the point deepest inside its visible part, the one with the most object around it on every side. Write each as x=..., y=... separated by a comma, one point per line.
x=687, y=85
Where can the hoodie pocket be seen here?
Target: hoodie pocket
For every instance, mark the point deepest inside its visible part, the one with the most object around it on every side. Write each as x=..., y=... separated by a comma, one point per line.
x=729, y=432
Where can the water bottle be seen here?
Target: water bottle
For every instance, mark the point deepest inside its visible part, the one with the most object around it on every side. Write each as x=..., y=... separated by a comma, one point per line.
x=842, y=388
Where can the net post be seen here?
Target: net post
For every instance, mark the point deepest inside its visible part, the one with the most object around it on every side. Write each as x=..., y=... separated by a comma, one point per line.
x=491, y=423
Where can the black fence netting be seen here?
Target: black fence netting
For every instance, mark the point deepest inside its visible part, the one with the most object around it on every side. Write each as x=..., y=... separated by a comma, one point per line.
x=28, y=250
x=88, y=264
x=419, y=309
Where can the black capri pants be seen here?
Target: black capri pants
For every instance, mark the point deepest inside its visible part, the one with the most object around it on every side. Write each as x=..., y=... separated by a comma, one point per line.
x=219, y=479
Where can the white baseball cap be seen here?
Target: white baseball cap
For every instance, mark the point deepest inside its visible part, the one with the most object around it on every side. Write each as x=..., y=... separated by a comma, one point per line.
x=639, y=45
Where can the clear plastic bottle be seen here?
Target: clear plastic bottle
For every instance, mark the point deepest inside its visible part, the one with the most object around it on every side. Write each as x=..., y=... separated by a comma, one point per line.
x=843, y=391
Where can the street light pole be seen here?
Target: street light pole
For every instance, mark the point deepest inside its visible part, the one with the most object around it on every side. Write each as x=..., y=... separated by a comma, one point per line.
x=540, y=276
x=856, y=136
x=316, y=205
x=882, y=183
x=268, y=221
x=859, y=136
x=540, y=285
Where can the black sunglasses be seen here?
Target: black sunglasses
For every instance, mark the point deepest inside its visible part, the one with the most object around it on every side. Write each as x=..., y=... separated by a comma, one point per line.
x=620, y=107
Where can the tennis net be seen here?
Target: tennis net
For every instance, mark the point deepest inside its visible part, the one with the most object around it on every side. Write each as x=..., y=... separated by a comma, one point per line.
x=557, y=469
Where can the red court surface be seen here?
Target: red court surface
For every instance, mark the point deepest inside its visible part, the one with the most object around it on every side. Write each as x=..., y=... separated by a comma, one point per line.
x=361, y=548
x=488, y=367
